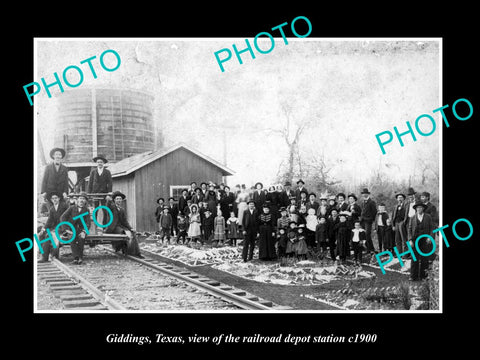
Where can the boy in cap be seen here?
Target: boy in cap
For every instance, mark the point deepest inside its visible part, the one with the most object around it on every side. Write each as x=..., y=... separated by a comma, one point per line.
x=165, y=223
x=380, y=224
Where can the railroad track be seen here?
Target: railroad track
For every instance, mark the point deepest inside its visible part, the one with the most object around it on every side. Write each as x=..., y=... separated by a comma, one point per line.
x=74, y=291
x=235, y=296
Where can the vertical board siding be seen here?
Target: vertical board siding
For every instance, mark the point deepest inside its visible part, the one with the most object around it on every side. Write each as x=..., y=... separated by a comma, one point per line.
x=153, y=180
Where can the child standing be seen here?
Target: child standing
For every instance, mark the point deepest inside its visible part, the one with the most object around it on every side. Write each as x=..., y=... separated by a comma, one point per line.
x=219, y=233
x=165, y=223
x=321, y=236
x=343, y=238
x=300, y=247
x=282, y=242
x=379, y=225
x=233, y=229
x=283, y=220
x=194, y=231
x=358, y=239
x=291, y=239
x=182, y=224
x=311, y=226
x=208, y=226
x=389, y=236
x=292, y=213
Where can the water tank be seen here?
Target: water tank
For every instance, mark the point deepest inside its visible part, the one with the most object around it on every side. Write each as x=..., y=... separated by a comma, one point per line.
x=114, y=122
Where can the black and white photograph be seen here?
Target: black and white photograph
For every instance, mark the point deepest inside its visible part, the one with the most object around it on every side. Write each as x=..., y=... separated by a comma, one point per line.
x=262, y=187
x=231, y=181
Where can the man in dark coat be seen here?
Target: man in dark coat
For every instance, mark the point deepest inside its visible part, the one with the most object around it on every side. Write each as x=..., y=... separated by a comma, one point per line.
x=100, y=182
x=369, y=211
x=54, y=214
x=312, y=202
x=174, y=213
x=341, y=205
x=78, y=242
x=182, y=201
x=55, y=176
x=120, y=225
x=286, y=194
x=398, y=218
x=299, y=189
x=430, y=209
x=332, y=221
x=250, y=227
x=420, y=224
x=259, y=196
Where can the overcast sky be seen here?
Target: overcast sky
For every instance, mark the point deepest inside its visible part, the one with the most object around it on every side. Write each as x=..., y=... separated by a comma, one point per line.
x=348, y=90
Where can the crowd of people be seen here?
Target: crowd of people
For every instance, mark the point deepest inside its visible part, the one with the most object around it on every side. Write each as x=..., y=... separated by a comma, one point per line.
x=284, y=222
x=287, y=222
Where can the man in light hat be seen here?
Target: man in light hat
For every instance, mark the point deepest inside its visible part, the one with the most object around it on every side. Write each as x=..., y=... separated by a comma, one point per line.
x=120, y=225
x=420, y=224
x=369, y=211
x=100, y=182
x=72, y=212
x=55, y=176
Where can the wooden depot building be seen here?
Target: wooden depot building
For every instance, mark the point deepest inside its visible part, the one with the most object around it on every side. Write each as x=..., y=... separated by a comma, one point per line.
x=145, y=177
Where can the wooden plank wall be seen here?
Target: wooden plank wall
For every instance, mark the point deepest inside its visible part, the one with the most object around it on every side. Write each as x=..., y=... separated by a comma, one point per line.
x=153, y=180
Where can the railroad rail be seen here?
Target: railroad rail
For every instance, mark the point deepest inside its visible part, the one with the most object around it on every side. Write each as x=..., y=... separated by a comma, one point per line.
x=238, y=297
x=75, y=292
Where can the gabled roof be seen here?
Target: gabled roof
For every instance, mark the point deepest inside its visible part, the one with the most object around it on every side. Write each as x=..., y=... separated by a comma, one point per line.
x=128, y=165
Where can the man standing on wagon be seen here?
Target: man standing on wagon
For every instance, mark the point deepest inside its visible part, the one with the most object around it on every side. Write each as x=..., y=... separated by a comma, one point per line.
x=55, y=177
x=100, y=182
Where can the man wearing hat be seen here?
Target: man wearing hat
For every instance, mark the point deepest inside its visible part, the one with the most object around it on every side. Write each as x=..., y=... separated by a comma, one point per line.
x=120, y=225
x=430, y=209
x=69, y=215
x=409, y=203
x=165, y=223
x=55, y=176
x=250, y=225
x=259, y=196
x=398, y=218
x=285, y=195
x=100, y=182
x=341, y=204
x=420, y=224
x=353, y=209
x=300, y=188
x=312, y=202
x=369, y=211
x=54, y=214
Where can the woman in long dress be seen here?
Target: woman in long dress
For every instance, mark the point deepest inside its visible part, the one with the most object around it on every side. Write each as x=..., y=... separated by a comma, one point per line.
x=242, y=200
x=266, y=244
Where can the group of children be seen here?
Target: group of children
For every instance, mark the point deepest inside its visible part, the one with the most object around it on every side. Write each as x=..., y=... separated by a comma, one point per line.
x=198, y=226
